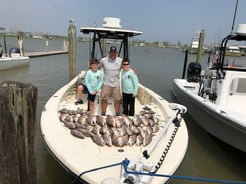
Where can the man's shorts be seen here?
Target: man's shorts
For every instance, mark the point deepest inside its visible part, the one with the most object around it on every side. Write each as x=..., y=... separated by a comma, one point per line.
x=108, y=91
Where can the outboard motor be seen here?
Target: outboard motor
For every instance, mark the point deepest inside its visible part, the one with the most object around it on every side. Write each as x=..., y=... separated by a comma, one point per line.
x=14, y=51
x=194, y=72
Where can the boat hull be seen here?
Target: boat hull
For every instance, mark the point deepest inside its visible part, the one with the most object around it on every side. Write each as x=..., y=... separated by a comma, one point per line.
x=8, y=63
x=80, y=155
x=210, y=117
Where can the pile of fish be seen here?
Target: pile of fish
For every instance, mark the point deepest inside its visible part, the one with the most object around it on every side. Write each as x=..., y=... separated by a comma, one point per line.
x=112, y=130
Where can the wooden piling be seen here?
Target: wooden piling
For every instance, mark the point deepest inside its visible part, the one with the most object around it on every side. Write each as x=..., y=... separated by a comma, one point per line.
x=200, y=46
x=17, y=133
x=72, y=49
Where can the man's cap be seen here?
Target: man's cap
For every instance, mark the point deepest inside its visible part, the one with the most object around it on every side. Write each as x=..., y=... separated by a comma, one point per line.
x=113, y=49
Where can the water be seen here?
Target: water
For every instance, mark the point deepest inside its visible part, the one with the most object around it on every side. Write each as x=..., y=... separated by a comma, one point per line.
x=206, y=157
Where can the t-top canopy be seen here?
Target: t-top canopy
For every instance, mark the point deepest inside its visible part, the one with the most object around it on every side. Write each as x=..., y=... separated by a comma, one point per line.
x=110, y=32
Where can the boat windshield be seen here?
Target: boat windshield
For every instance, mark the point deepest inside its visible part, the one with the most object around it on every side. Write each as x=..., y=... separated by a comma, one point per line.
x=231, y=55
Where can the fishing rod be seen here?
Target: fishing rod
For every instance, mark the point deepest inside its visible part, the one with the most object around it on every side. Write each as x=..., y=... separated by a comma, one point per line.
x=235, y=13
x=5, y=46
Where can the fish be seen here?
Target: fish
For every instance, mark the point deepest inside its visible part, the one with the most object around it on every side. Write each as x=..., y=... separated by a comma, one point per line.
x=119, y=122
x=85, y=132
x=143, y=131
x=115, y=132
x=147, y=139
x=98, y=140
x=127, y=121
x=132, y=140
x=150, y=112
x=78, y=125
x=82, y=119
x=107, y=139
x=90, y=120
x=139, y=140
x=110, y=121
x=148, y=130
x=135, y=129
x=112, y=130
x=152, y=122
x=62, y=117
x=129, y=131
x=106, y=130
x=146, y=108
x=63, y=111
x=146, y=121
x=100, y=120
x=77, y=133
x=69, y=124
x=68, y=118
x=122, y=131
x=120, y=141
x=96, y=130
x=137, y=120
x=80, y=111
x=71, y=112
x=142, y=113
x=75, y=117
x=155, y=128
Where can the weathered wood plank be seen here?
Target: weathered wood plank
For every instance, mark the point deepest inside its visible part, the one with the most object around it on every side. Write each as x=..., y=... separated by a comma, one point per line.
x=17, y=133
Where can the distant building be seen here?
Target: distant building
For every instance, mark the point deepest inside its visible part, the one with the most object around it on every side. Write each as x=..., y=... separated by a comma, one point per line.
x=2, y=30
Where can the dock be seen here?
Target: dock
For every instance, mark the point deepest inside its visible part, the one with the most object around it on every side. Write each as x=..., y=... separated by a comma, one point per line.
x=45, y=53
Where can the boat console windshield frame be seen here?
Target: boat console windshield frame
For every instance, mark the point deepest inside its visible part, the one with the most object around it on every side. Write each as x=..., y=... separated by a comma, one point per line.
x=100, y=34
x=235, y=37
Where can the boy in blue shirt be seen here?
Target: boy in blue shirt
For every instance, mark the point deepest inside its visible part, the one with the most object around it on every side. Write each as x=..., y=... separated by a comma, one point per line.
x=129, y=87
x=93, y=84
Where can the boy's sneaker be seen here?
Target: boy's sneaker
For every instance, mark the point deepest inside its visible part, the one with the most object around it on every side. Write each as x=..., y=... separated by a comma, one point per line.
x=103, y=113
x=117, y=114
x=79, y=101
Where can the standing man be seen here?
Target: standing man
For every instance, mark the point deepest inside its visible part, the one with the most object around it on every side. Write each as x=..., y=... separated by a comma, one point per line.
x=111, y=82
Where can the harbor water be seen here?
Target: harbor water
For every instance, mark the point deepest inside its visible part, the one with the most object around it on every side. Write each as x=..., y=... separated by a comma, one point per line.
x=206, y=156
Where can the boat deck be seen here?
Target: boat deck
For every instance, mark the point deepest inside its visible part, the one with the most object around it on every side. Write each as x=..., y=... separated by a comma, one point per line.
x=78, y=155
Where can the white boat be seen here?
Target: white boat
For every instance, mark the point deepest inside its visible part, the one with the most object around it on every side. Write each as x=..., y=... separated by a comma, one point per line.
x=216, y=96
x=233, y=51
x=103, y=161
x=195, y=43
x=13, y=60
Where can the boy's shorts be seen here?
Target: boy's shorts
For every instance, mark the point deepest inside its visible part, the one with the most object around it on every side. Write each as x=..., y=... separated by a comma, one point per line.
x=90, y=97
x=108, y=91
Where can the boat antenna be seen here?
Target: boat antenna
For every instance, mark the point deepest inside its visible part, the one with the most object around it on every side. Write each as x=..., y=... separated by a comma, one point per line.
x=235, y=13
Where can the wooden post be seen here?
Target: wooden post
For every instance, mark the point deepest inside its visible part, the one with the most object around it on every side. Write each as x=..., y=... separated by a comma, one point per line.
x=17, y=133
x=200, y=46
x=72, y=49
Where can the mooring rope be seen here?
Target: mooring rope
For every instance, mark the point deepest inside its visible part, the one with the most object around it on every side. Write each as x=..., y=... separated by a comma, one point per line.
x=95, y=169
x=125, y=163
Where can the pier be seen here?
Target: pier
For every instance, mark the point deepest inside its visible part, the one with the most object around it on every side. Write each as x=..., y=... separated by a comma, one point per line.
x=45, y=53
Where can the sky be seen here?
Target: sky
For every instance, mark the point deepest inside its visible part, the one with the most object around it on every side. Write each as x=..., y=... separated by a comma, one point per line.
x=159, y=20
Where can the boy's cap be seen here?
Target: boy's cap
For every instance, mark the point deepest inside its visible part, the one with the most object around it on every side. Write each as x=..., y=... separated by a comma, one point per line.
x=113, y=49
